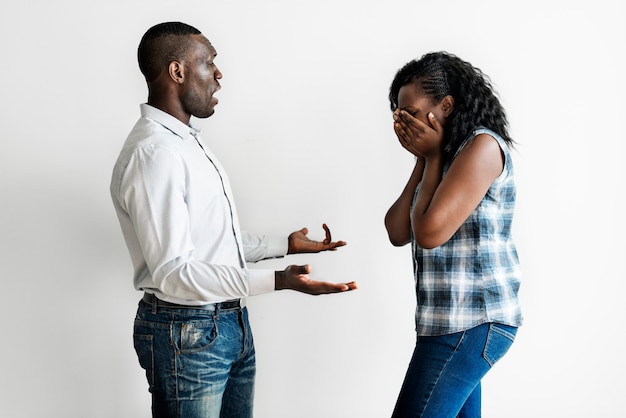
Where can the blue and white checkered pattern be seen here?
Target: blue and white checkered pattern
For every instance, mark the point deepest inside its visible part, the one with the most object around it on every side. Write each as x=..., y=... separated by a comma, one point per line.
x=474, y=277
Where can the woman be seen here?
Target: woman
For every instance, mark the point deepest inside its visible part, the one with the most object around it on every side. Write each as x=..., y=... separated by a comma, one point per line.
x=456, y=211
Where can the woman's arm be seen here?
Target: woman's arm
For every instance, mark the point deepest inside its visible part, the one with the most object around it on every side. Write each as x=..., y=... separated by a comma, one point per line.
x=442, y=205
x=397, y=219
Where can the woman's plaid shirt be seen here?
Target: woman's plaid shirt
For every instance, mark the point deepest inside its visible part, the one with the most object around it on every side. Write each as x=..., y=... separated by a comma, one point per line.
x=474, y=277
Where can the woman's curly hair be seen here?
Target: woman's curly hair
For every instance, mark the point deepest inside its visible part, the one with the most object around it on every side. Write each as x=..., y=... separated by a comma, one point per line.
x=475, y=102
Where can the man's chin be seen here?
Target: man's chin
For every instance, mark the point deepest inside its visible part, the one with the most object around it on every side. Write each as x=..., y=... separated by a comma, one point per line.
x=205, y=114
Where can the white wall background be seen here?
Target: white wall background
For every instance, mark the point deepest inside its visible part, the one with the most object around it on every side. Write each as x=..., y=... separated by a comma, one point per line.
x=304, y=129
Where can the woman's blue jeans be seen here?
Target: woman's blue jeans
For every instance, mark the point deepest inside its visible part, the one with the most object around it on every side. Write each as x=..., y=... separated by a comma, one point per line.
x=443, y=378
x=199, y=363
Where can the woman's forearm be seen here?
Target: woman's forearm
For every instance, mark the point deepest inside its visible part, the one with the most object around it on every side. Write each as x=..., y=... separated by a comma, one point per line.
x=398, y=217
x=423, y=220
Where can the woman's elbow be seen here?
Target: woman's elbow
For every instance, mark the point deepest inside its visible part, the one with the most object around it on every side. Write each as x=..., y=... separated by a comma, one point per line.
x=398, y=242
x=398, y=238
x=426, y=244
x=427, y=241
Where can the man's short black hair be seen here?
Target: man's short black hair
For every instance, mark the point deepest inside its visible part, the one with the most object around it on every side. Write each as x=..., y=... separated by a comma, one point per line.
x=162, y=44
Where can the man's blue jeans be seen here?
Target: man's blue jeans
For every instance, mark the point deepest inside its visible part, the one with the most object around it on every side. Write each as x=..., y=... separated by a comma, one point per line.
x=199, y=363
x=443, y=379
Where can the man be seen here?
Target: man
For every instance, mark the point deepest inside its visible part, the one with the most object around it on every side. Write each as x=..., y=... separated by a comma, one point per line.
x=177, y=214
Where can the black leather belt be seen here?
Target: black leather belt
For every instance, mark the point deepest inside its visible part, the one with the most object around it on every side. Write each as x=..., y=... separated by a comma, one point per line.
x=230, y=304
x=226, y=305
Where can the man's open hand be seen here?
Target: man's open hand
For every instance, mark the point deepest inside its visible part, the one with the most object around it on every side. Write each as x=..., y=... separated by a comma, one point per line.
x=296, y=278
x=300, y=243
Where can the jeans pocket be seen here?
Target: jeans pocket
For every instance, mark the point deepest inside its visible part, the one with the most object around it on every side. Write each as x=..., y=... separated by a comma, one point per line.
x=499, y=340
x=144, y=347
x=197, y=335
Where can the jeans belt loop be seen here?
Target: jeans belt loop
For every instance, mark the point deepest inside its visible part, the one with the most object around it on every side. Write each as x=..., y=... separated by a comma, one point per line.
x=154, y=302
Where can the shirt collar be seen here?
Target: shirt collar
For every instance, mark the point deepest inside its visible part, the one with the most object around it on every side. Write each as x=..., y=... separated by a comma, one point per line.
x=169, y=121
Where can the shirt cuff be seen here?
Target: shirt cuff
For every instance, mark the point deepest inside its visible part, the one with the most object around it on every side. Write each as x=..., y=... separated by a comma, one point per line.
x=261, y=281
x=277, y=246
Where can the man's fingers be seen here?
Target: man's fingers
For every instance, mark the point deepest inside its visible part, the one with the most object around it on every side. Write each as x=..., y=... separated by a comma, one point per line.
x=320, y=288
x=305, y=269
x=328, y=239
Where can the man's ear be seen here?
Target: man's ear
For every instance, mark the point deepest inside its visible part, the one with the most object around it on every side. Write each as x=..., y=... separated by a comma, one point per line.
x=177, y=72
x=447, y=105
